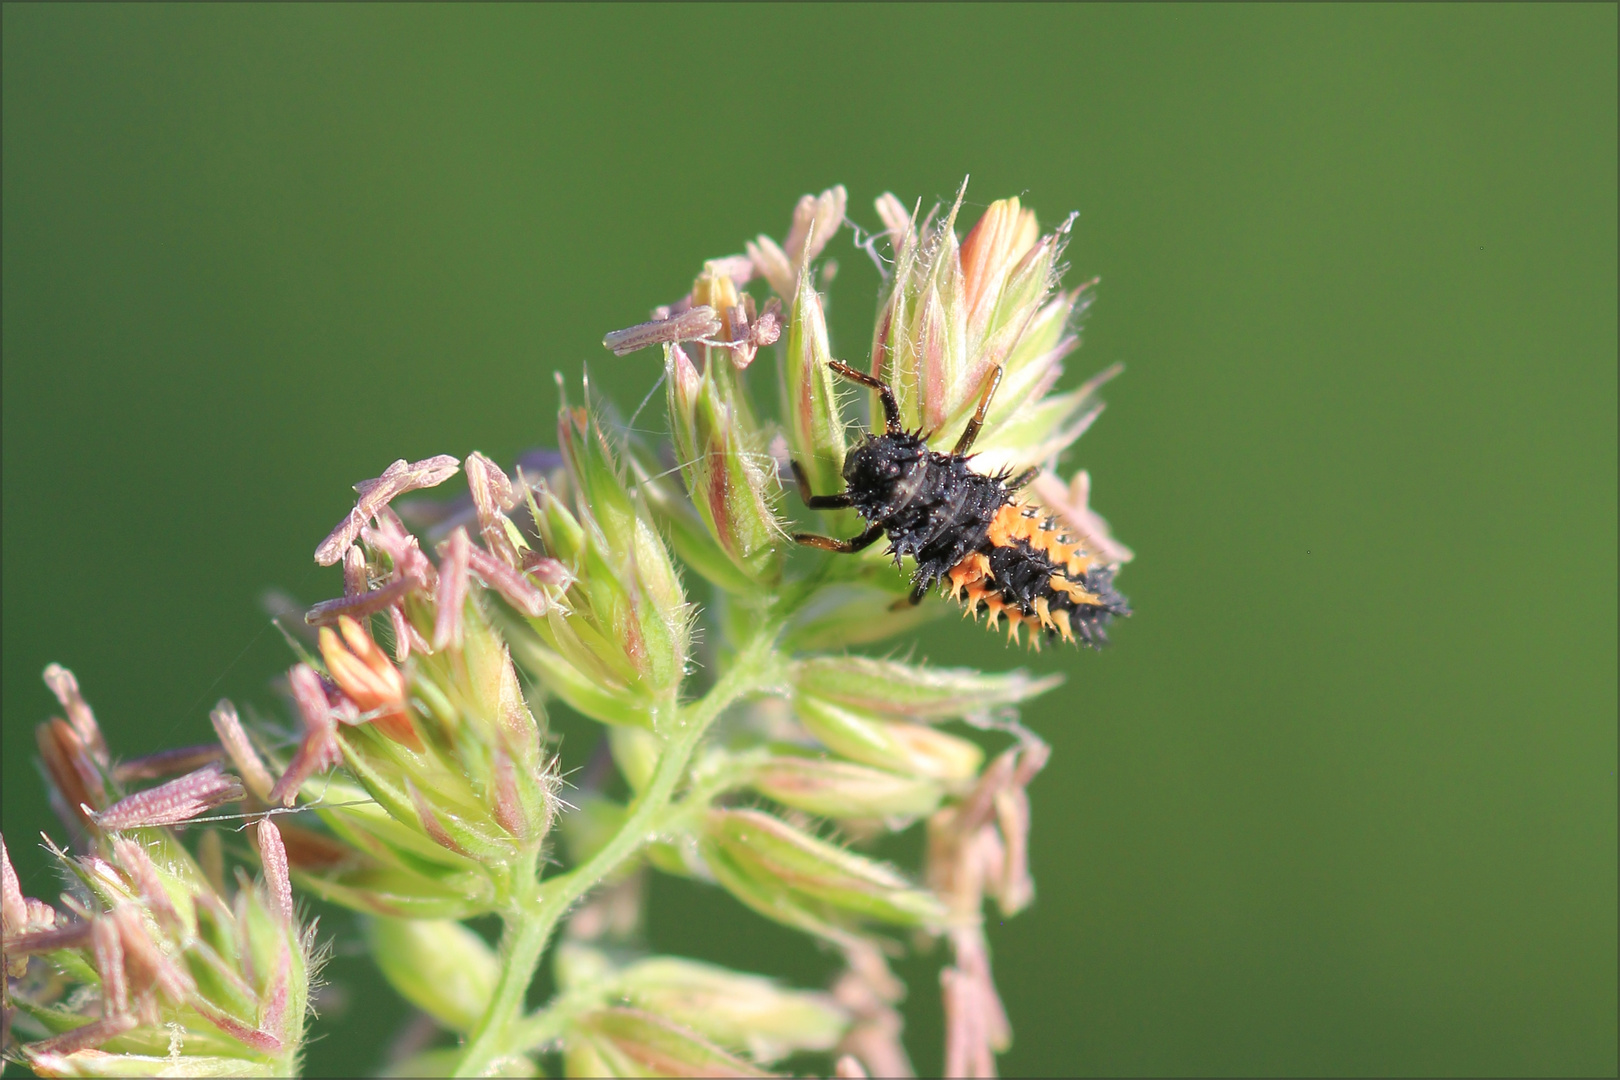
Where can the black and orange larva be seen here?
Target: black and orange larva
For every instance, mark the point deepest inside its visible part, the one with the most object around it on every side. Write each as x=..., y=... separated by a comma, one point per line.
x=967, y=531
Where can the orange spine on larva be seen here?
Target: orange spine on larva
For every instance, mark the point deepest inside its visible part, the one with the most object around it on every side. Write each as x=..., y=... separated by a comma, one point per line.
x=1020, y=526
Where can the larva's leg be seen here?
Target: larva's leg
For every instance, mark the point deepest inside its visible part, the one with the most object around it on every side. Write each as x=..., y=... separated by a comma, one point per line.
x=971, y=432
x=819, y=502
x=891, y=408
x=916, y=597
x=842, y=547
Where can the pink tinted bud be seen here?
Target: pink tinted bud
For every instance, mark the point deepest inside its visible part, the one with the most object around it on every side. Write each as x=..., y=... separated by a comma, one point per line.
x=815, y=221
x=277, y=881
x=274, y=1019
x=967, y=1050
x=148, y=969
x=108, y=947
x=898, y=222
x=404, y=633
x=138, y=865
x=508, y=800
x=452, y=591
x=685, y=375
x=255, y=777
x=66, y=688
x=170, y=804
x=430, y=821
x=262, y=1041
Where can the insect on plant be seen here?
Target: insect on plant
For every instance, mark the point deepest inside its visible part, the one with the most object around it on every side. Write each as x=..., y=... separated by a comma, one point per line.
x=965, y=529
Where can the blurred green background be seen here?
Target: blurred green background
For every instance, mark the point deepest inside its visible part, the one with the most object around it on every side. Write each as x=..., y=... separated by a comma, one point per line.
x=1342, y=799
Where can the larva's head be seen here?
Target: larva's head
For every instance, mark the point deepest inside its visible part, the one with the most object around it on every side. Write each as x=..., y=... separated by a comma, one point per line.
x=879, y=465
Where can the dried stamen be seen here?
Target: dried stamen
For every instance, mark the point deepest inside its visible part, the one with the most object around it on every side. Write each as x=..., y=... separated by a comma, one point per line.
x=452, y=591
x=693, y=324
x=166, y=763
x=74, y=774
x=228, y=727
x=177, y=801
x=66, y=688
x=328, y=612
x=492, y=493
x=511, y=584
x=277, y=881
x=397, y=479
x=319, y=749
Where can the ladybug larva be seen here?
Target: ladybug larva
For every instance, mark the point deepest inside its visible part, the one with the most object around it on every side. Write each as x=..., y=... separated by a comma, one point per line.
x=968, y=532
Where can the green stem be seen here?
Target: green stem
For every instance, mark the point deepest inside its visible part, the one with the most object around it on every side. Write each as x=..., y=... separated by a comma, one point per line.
x=530, y=924
x=523, y=939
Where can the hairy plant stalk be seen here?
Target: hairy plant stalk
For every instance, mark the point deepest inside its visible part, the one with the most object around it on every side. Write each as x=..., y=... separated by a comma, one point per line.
x=534, y=917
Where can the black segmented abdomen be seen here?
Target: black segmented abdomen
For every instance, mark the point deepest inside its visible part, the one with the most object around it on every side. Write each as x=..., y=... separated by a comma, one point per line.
x=966, y=527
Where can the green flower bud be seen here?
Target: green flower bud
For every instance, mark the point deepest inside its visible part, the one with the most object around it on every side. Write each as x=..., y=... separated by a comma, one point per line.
x=956, y=310
x=628, y=606
x=448, y=752
x=811, y=403
x=913, y=749
x=843, y=790
x=683, y=388
x=630, y=1042
x=381, y=860
x=736, y=1011
x=499, y=800
x=689, y=535
x=913, y=690
x=728, y=474
x=560, y=530
x=598, y=697
x=439, y=966
x=792, y=872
